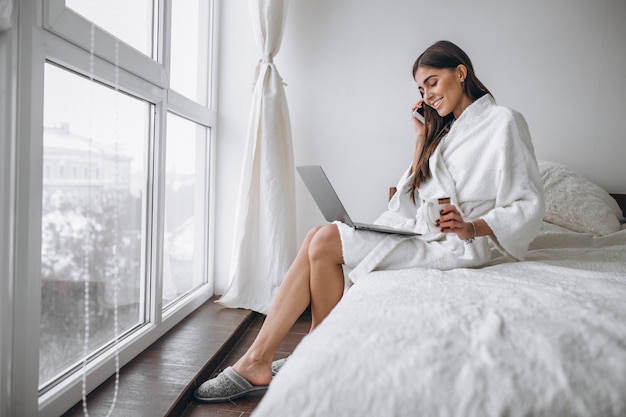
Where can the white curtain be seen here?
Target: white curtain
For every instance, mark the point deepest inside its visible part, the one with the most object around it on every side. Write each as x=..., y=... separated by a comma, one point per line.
x=264, y=242
x=6, y=6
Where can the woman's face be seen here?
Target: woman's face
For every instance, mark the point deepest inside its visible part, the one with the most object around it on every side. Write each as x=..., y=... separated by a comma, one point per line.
x=442, y=89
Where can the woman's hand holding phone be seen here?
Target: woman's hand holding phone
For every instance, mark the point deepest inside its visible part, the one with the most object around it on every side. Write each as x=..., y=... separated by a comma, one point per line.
x=418, y=116
x=418, y=113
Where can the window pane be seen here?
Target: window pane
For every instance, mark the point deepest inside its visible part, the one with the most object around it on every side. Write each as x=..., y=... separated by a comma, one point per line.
x=130, y=21
x=185, y=201
x=95, y=142
x=189, y=49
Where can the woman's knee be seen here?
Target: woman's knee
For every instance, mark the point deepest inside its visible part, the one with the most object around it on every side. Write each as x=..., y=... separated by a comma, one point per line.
x=304, y=247
x=325, y=244
x=312, y=233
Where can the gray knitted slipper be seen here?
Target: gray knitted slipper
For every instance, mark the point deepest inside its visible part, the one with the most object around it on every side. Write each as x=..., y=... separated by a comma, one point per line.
x=227, y=386
x=277, y=364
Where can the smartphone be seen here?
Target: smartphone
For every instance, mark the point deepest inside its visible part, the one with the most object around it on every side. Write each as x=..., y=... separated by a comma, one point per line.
x=419, y=114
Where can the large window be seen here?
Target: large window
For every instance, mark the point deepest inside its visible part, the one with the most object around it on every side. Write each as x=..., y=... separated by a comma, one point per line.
x=188, y=70
x=130, y=21
x=183, y=260
x=94, y=145
x=117, y=171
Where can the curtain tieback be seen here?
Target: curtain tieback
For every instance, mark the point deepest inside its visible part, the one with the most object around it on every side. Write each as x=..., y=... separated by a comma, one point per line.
x=269, y=60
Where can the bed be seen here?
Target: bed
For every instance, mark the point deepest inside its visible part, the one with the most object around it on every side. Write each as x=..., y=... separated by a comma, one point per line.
x=543, y=337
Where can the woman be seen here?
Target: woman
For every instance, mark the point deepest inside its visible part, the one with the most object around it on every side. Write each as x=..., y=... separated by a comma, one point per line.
x=477, y=154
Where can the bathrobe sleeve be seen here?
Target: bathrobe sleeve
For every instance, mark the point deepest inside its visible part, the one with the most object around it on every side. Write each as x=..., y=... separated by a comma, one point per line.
x=402, y=212
x=519, y=205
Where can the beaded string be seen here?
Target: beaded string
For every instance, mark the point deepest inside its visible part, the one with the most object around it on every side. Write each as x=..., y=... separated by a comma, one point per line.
x=90, y=237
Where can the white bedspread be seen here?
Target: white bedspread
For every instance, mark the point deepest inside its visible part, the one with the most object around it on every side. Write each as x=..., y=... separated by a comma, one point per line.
x=543, y=337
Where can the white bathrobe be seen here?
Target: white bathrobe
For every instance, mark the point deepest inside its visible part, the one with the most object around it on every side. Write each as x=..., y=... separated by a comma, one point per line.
x=487, y=166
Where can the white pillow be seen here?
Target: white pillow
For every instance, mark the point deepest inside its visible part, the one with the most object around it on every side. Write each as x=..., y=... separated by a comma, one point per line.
x=576, y=203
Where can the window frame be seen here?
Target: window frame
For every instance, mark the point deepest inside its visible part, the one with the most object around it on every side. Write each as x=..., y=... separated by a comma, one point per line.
x=69, y=25
x=8, y=135
x=48, y=32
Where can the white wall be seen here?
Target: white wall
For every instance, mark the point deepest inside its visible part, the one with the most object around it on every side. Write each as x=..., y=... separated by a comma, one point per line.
x=348, y=64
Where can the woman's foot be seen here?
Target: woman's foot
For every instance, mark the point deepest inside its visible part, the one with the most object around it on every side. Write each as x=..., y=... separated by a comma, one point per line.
x=240, y=380
x=229, y=385
x=256, y=371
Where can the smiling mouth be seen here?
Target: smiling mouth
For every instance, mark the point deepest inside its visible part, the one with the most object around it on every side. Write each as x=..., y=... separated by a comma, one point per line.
x=437, y=103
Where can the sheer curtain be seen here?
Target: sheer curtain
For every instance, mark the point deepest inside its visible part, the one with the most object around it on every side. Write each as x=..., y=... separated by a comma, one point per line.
x=264, y=241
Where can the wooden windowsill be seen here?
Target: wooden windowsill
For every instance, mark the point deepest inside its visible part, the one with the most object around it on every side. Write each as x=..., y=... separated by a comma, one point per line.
x=160, y=381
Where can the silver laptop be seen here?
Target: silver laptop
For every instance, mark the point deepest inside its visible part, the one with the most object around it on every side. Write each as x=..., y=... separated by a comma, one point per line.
x=329, y=204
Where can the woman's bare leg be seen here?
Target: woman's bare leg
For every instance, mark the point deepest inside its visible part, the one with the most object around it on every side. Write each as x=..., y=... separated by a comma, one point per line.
x=315, y=277
x=326, y=280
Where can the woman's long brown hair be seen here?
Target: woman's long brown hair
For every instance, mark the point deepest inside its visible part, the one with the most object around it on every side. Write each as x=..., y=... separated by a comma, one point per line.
x=442, y=54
